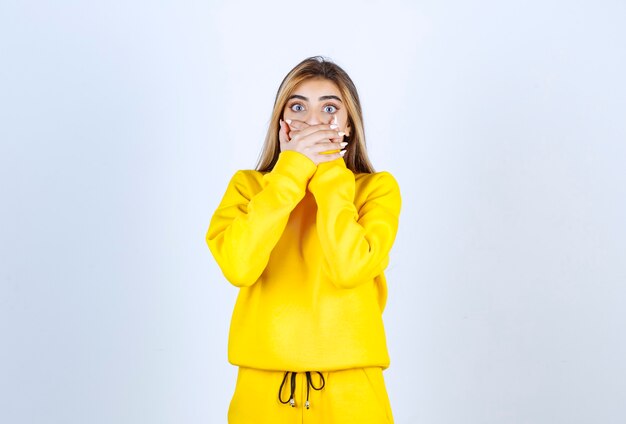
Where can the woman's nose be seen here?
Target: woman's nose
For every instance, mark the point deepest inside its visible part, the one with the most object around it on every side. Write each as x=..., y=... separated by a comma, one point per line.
x=314, y=118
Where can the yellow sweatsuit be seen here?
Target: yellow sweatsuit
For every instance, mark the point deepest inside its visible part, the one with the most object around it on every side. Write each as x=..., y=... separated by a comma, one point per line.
x=307, y=245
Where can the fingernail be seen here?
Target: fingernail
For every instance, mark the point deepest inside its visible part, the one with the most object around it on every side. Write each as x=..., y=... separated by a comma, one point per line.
x=333, y=126
x=343, y=144
x=288, y=121
x=341, y=133
x=343, y=152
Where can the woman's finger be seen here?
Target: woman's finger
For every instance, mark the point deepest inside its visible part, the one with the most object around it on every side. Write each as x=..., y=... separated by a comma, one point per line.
x=316, y=128
x=327, y=147
x=321, y=135
x=296, y=125
x=283, y=136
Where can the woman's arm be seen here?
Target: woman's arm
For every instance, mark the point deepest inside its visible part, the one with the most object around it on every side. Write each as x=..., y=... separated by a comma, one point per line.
x=356, y=244
x=253, y=214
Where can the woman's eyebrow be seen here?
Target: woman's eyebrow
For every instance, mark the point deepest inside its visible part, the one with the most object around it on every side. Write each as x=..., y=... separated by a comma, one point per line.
x=330, y=98
x=306, y=99
x=297, y=96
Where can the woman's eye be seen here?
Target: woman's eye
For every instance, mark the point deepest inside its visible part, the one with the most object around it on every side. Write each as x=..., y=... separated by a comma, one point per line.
x=330, y=109
x=297, y=107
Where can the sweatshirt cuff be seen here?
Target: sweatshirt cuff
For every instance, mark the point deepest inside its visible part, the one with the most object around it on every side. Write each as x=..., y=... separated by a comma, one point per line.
x=296, y=166
x=332, y=172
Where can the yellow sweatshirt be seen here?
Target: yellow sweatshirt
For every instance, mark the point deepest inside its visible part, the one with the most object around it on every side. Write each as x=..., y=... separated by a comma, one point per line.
x=307, y=245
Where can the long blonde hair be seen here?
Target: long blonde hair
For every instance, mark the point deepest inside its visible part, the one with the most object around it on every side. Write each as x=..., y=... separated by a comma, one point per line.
x=319, y=67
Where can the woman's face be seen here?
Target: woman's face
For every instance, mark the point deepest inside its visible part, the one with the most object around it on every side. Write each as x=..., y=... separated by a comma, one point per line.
x=317, y=101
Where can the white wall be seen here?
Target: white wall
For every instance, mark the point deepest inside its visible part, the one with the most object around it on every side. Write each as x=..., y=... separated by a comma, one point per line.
x=121, y=123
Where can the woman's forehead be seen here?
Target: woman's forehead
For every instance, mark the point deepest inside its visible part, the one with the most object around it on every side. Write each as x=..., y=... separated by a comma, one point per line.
x=317, y=87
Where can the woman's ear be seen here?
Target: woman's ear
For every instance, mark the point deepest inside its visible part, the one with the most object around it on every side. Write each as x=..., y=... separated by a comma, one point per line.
x=348, y=130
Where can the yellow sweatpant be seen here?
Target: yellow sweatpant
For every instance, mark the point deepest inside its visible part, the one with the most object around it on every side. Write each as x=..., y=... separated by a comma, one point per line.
x=349, y=396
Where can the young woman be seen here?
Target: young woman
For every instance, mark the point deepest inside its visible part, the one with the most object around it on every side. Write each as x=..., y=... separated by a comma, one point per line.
x=306, y=237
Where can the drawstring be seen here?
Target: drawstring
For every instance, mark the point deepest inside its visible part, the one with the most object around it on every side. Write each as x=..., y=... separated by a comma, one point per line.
x=309, y=384
x=291, y=401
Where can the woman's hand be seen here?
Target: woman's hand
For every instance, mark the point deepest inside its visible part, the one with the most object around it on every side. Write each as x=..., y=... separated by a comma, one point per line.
x=312, y=140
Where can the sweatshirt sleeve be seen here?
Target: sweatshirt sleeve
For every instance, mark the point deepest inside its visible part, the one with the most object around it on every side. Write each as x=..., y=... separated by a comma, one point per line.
x=355, y=243
x=253, y=214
